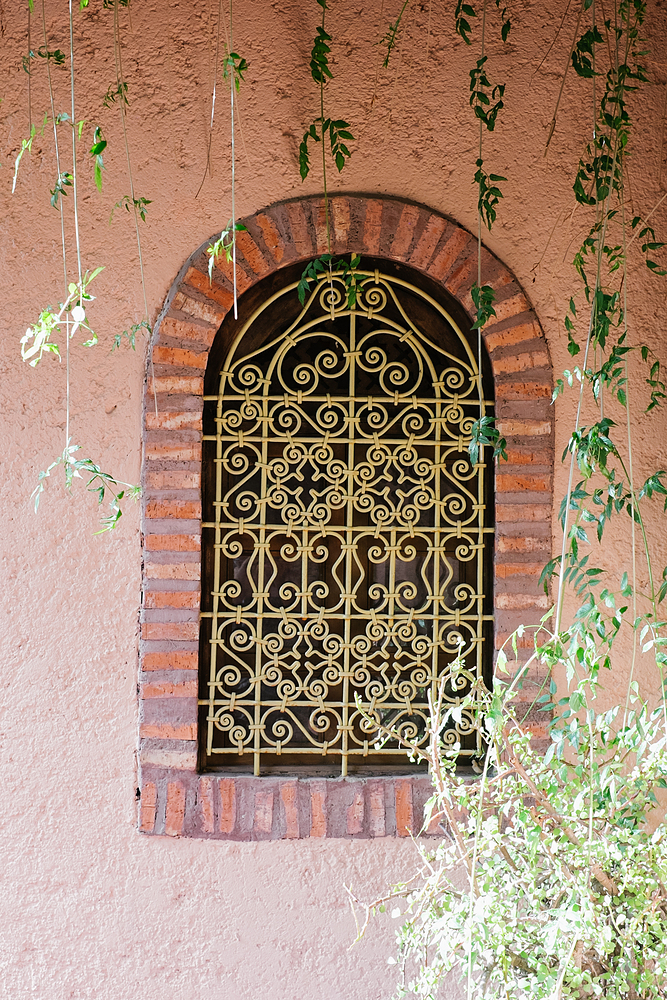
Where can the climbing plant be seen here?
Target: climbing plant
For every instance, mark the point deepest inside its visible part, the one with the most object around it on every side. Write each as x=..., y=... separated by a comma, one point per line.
x=551, y=878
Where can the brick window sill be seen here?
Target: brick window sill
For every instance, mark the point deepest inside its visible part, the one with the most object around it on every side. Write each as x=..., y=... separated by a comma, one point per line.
x=243, y=808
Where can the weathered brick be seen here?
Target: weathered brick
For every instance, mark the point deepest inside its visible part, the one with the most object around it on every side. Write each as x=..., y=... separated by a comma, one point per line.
x=520, y=362
x=251, y=252
x=355, y=814
x=514, y=305
x=171, y=759
x=272, y=238
x=428, y=241
x=511, y=335
x=206, y=814
x=188, y=689
x=212, y=290
x=320, y=224
x=288, y=793
x=188, y=599
x=226, y=267
x=318, y=816
x=527, y=456
x=263, y=820
x=405, y=232
x=377, y=820
x=179, y=358
x=191, y=510
x=167, y=731
x=522, y=390
x=173, y=543
x=174, y=479
x=303, y=244
x=191, y=385
x=206, y=311
x=516, y=482
x=404, y=818
x=173, y=826
x=341, y=220
x=170, y=661
x=524, y=428
x=190, y=452
x=521, y=543
x=522, y=601
x=451, y=251
x=506, y=570
x=227, y=789
x=174, y=631
x=461, y=274
x=180, y=329
x=172, y=571
x=148, y=807
x=517, y=512
x=373, y=227
x=173, y=421
x=493, y=274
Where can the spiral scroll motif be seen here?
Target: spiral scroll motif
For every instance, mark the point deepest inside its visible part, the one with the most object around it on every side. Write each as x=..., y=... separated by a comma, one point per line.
x=349, y=533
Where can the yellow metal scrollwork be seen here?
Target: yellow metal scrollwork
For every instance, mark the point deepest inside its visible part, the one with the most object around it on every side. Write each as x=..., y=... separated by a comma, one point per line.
x=349, y=530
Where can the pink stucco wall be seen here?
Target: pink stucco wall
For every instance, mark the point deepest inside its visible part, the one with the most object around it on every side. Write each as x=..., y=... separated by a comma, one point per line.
x=90, y=908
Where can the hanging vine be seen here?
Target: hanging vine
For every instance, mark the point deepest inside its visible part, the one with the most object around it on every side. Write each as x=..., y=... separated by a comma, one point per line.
x=70, y=317
x=334, y=133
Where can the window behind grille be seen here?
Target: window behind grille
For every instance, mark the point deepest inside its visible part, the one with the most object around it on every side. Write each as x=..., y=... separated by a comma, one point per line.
x=346, y=537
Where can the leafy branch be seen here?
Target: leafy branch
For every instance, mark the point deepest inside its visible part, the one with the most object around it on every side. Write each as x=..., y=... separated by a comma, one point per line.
x=391, y=37
x=116, y=95
x=337, y=131
x=489, y=194
x=96, y=150
x=484, y=432
x=130, y=335
x=233, y=67
x=326, y=265
x=99, y=482
x=480, y=101
x=139, y=205
x=71, y=314
x=224, y=245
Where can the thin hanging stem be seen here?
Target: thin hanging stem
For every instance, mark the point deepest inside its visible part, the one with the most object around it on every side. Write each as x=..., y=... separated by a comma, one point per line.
x=55, y=140
x=121, y=103
x=479, y=251
x=633, y=536
x=577, y=424
x=324, y=158
x=29, y=69
x=473, y=876
x=207, y=168
x=552, y=124
x=118, y=56
x=76, y=222
x=74, y=183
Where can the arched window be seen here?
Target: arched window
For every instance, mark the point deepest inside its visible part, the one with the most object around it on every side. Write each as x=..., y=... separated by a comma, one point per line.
x=346, y=536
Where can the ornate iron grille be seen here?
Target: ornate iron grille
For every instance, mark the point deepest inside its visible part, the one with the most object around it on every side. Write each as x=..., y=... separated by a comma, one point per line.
x=347, y=531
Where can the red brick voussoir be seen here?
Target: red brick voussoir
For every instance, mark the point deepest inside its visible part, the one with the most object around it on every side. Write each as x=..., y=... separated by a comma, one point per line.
x=176, y=800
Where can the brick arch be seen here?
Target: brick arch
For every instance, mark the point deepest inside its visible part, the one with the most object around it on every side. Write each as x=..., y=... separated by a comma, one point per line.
x=175, y=799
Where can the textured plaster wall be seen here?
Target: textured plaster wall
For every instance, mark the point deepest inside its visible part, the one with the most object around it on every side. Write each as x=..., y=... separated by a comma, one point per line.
x=90, y=908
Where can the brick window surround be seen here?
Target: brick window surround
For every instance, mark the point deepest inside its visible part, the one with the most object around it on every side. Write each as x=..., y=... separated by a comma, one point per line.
x=175, y=799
